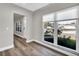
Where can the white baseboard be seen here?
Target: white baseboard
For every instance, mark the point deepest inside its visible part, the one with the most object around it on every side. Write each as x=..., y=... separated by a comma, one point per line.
x=29, y=41
x=62, y=51
x=18, y=35
x=50, y=46
x=65, y=52
x=6, y=48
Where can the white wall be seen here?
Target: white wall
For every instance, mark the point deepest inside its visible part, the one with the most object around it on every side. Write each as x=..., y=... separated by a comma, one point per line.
x=6, y=27
x=6, y=24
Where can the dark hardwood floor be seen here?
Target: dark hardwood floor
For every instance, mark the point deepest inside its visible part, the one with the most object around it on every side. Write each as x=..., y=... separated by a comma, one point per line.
x=29, y=49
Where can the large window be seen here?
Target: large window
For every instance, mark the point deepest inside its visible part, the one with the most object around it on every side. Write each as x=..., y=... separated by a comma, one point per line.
x=67, y=28
x=64, y=33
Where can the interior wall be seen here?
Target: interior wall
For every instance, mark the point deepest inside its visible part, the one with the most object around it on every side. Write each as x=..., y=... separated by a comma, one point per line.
x=6, y=24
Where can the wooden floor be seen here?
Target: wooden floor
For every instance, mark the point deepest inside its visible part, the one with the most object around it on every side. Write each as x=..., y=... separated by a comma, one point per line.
x=32, y=49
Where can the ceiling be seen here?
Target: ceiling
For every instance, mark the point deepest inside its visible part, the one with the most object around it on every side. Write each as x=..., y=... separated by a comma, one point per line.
x=31, y=6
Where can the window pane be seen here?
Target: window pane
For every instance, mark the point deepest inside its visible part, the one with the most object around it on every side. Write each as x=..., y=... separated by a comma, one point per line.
x=48, y=32
x=68, y=14
x=48, y=27
x=49, y=17
x=67, y=33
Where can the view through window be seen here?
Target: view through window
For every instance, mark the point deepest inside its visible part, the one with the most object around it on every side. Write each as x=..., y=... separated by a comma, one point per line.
x=66, y=33
x=66, y=28
x=48, y=28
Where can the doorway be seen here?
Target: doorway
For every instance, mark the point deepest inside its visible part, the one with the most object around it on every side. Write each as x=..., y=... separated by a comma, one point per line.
x=19, y=27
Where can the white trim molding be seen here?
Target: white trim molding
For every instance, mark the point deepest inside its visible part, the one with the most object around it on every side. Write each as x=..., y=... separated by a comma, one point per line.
x=18, y=35
x=6, y=48
x=29, y=41
x=52, y=47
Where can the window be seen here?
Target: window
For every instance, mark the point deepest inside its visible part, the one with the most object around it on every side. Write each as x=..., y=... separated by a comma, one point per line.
x=67, y=33
x=48, y=28
x=67, y=14
x=49, y=17
x=65, y=30
x=19, y=26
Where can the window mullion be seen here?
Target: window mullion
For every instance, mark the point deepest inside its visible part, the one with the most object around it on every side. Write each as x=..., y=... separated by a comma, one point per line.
x=55, y=30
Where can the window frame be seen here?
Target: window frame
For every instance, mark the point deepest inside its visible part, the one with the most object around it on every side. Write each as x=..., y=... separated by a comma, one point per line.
x=55, y=20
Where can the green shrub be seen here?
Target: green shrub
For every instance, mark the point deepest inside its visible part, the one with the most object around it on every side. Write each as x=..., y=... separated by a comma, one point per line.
x=67, y=42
